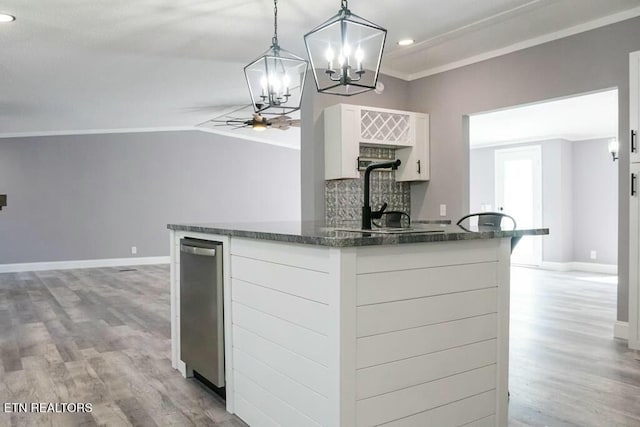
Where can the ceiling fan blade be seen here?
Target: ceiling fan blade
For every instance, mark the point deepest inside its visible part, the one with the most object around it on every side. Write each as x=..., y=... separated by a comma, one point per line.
x=228, y=116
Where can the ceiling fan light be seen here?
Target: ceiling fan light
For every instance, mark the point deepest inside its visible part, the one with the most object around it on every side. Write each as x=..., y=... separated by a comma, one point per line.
x=259, y=127
x=358, y=44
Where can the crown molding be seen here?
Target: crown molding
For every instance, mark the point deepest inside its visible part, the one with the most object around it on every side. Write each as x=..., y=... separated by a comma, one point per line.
x=94, y=131
x=546, y=38
x=231, y=134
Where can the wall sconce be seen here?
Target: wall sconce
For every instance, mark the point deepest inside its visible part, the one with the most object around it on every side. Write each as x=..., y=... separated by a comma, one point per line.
x=614, y=147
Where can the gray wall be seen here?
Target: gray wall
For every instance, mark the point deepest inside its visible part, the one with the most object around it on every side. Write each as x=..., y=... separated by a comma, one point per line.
x=594, y=60
x=395, y=96
x=556, y=192
x=482, y=189
x=95, y=196
x=595, y=202
x=579, y=197
x=557, y=206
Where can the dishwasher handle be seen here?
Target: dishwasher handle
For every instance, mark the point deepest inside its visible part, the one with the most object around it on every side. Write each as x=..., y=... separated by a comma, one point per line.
x=194, y=250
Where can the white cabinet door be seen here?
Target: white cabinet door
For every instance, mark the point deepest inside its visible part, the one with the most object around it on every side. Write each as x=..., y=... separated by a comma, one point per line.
x=341, y=141
x=415, y=160
x=634, y=95
x=634, y=259
x=346, y=127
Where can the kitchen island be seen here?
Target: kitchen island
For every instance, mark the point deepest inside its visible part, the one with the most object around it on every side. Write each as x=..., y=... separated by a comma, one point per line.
x=341, y=328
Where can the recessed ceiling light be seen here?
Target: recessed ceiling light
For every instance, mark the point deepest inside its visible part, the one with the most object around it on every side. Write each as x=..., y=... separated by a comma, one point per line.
x=406, y=42
x=6, y=18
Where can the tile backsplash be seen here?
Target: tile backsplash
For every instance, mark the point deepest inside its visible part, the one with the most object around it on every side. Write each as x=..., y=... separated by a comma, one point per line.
x=344, y=197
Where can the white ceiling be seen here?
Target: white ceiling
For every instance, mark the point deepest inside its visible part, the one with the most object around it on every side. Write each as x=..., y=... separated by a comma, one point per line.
x=78, y=65
x=574, y=119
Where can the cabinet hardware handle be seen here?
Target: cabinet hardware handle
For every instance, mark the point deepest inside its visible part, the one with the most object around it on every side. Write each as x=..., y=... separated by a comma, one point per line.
x=193, y=250
x=418, y=162
x=634, y=134
x=634, y=178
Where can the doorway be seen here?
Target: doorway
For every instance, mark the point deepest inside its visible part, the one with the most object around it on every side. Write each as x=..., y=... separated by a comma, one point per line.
x=548, y=165
x=518, y=192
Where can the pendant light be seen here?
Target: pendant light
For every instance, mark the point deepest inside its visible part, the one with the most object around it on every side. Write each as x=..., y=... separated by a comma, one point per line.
x=345, y=53
x=276, y=78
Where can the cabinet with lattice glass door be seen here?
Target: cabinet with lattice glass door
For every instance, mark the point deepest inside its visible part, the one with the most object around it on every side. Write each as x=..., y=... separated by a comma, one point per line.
x=349, y=126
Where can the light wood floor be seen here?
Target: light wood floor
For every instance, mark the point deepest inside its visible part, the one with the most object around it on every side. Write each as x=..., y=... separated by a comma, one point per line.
x=99, y=336
x=565, y=367
x=102, y=336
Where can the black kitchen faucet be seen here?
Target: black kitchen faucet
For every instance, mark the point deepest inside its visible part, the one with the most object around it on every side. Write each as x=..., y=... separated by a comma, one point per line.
x=367, y=214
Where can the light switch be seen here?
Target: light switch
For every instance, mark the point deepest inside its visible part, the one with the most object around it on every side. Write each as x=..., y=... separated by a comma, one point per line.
x=443, y=210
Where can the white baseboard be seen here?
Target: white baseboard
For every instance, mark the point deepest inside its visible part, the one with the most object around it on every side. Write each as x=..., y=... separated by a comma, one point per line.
x=580, y=266
x=87, y=263
x=621, y=330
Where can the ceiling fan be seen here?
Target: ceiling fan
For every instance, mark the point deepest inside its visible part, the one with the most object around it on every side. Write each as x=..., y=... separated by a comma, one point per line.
x=257, y=122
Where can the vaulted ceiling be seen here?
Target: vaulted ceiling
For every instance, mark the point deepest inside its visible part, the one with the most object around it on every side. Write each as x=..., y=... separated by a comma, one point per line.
x=76, y=65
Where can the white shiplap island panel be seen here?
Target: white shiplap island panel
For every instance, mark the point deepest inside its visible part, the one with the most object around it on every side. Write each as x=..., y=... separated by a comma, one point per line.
x=395, y=335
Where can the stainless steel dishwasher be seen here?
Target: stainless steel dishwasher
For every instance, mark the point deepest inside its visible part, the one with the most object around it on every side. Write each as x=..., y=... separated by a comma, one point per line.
x=201, y=309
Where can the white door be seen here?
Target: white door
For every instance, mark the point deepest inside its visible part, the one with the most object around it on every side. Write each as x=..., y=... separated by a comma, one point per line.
x=518, y=192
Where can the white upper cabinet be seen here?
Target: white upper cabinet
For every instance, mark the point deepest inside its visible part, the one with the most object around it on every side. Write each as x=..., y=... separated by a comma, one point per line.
x=634, y=119
x=346, y=127
x=415, y=160
x=341, y=134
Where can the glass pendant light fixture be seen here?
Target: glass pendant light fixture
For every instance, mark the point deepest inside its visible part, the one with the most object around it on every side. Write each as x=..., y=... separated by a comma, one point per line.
x=345, y=53
x=276, y=78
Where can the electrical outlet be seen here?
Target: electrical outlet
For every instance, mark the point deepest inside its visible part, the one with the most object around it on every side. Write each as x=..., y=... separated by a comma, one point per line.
x=443, y=210
x=593, y=255
x=134, y=250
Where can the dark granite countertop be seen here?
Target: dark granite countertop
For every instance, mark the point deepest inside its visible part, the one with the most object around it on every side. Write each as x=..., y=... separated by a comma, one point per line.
x=430, y=221
x=316, y=233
